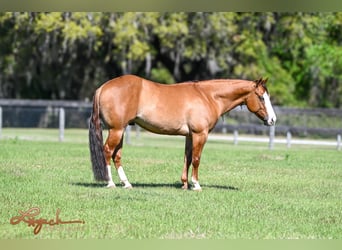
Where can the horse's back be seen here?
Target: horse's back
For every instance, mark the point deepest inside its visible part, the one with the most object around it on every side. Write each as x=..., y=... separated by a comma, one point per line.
x=173, y=108
x=121, y=82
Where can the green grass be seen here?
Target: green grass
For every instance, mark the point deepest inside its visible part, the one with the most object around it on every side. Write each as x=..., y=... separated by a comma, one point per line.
x=249, y=192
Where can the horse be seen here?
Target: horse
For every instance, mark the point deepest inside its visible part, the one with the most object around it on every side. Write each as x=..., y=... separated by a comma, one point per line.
x=189, y=109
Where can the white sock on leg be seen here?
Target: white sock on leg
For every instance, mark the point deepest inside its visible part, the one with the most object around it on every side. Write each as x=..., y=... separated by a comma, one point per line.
x=123, y=177
x=111, y=184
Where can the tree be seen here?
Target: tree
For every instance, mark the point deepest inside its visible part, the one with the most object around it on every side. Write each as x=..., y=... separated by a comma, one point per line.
x=66, y=55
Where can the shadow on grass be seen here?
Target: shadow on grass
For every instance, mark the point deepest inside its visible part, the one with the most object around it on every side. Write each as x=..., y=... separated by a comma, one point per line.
x=89, y=184
x=179, y=186
x=221, y=187
x=176, y=185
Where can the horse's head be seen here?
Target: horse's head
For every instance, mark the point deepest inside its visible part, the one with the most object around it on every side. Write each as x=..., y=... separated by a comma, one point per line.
x=259, y=103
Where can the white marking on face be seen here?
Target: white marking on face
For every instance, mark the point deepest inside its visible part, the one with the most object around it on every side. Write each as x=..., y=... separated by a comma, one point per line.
x=270, y=112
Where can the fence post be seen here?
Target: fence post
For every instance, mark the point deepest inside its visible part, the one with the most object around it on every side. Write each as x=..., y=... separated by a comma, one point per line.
x=0, y=122
x=288, y=139
x=61, y=124
x=236, y=135
x=137, y=131
x=339, y=142
x=128, y=135
x=272, y=133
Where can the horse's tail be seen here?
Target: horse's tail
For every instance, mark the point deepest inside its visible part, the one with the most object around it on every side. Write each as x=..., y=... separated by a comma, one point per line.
x=96, y=142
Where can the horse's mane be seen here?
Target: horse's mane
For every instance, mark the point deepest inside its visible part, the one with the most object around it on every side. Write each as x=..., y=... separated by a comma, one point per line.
x=262, y=82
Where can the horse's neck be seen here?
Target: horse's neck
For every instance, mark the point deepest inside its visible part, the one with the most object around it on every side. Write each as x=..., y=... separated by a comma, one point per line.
x=227, y=94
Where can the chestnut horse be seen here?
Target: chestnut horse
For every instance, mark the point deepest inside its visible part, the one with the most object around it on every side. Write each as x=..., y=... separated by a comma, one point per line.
x=190, y=109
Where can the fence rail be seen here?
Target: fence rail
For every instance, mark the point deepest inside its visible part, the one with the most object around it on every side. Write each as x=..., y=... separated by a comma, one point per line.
x=297, y=122
x=44, y=103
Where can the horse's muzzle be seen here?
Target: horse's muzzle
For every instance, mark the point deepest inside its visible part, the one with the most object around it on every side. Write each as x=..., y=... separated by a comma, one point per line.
x=269, y=122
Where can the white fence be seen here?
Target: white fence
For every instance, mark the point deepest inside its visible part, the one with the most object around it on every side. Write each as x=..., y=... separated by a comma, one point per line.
x=44, y=114
x=298, y=123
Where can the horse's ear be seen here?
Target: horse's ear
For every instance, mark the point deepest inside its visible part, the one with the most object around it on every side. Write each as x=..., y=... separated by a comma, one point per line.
x=265, y=80
x=259, y=81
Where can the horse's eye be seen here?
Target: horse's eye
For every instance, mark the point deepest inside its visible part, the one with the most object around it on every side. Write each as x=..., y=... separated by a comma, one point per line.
x=261, y=98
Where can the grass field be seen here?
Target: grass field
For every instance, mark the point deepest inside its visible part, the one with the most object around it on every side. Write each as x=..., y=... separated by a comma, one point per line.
x=249, y=192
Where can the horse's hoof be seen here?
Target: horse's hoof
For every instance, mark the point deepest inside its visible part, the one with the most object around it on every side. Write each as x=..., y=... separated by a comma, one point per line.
x=197, y=189
x=196, y=186
x=128, y=186
x=111, y=185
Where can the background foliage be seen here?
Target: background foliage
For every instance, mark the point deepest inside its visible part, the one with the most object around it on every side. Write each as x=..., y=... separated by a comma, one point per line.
x=65, y=55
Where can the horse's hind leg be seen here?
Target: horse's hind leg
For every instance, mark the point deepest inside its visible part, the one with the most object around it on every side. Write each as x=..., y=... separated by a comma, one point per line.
x=117, y=162
x=112, y=149
x=108, y=149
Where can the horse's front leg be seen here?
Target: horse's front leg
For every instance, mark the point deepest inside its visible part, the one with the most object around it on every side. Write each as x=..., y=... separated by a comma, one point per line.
x=198, y=142
x=187, y=161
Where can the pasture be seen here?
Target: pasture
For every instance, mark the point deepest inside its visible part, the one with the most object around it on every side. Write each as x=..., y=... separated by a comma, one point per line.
x=249, y=192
